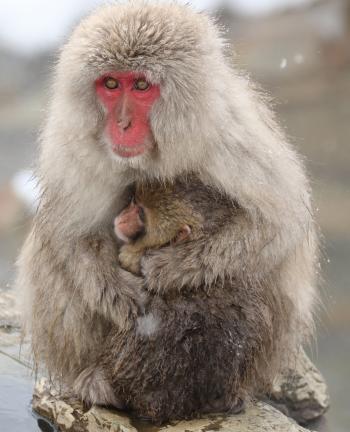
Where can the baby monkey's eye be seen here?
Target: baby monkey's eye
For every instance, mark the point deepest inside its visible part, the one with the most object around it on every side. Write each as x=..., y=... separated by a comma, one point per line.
x=142, y=214
x=111, y=83
x=141, y=84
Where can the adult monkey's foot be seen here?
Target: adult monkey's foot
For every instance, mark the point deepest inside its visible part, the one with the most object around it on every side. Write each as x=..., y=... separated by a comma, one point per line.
x=93, y=388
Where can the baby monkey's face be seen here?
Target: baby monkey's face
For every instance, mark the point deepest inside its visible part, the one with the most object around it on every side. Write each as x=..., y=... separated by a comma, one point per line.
x=130, y=223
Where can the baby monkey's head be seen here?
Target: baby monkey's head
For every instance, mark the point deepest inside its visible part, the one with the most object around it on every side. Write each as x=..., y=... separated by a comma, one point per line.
x=170, y=213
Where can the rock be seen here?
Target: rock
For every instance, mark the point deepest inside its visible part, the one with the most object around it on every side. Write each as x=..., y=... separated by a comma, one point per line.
x=301, y=391
x=69, y=415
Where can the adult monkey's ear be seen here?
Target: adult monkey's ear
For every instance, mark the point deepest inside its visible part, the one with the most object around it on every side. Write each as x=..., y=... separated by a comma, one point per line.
x=182, y=234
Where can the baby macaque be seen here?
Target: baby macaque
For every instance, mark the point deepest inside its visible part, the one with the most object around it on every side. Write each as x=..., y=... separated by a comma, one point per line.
x=195, y=349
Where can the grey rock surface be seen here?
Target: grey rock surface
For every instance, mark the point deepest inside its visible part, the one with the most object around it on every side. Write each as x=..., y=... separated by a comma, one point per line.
x=301, y=391
x=69, y=415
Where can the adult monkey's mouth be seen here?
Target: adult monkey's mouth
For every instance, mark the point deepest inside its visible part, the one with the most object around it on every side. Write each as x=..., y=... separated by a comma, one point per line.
x=128, y=152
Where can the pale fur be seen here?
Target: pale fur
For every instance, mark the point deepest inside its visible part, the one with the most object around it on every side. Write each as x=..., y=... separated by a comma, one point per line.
x=209, y=120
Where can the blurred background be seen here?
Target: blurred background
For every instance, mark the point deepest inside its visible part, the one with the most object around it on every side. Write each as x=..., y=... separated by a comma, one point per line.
x=299, y=52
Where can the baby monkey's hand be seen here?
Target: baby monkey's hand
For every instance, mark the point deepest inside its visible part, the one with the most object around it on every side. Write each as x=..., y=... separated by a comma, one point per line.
x=130, y=259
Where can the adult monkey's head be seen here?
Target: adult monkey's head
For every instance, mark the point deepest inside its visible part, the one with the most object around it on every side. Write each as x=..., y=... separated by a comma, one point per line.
x=145, y=89
x=144, y=82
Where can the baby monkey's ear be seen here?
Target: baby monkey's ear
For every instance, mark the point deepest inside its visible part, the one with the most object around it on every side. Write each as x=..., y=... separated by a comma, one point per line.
x=182, y=234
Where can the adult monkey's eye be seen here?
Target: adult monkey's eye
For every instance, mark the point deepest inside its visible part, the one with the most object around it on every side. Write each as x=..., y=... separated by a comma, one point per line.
x=141, y=84
x=111, y=83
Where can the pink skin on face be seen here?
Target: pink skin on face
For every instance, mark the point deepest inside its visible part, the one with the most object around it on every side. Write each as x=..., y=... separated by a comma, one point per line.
x=128, y=223
x=128, y=110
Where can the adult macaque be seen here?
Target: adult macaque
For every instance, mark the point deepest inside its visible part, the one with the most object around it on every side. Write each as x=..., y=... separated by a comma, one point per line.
x=144, y=91
x=202, y=349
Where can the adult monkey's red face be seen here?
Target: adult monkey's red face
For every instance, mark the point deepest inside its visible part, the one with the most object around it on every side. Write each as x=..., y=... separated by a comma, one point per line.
x=128, y=99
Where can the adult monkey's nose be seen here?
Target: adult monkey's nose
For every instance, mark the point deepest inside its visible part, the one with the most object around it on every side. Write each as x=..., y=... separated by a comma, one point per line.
x=124, y=114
